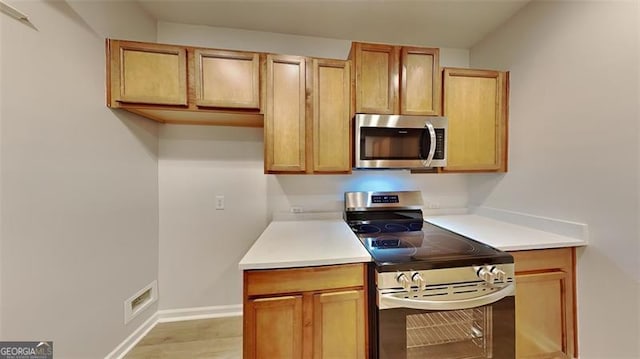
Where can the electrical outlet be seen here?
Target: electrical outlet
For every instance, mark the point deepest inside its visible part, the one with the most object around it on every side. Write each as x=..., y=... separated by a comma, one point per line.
x=220, y=202
x=434, y=205
x=296, y=209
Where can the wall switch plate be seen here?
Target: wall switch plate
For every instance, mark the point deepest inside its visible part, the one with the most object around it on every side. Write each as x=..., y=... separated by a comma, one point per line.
x=220, y=202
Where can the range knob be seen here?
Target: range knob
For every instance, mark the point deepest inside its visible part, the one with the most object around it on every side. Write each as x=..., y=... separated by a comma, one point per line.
x=486, y=273
x=499, y=274
x=418, y=280
x=403, y=280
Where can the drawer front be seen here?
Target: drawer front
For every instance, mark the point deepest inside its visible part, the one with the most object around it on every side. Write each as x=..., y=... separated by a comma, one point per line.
x=294, y=280
x=543, y=259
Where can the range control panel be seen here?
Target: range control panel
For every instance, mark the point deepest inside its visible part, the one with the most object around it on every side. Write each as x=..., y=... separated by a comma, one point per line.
x=419, y=280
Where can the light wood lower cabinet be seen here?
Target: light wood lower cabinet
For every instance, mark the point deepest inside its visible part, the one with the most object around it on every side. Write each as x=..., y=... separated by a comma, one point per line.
x=338, y=324
x=545, y=306
x=276, y=330
x=313, y=312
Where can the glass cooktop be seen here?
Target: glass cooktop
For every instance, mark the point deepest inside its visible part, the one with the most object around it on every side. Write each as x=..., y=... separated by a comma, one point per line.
x=430, y=248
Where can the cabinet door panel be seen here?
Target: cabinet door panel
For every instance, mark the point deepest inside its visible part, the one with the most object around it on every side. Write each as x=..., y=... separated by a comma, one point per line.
x=420, y=88
x=376, y=78
x=227, y=79
x=541, y=319
x=274, y=328
x=474, y=103
x=331, y=116
x=339, y=325
x=285, y=116
x=148, y=73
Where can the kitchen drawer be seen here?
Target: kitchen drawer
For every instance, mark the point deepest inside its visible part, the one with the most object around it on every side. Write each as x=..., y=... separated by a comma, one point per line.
x=536, y=260
x=295, y=280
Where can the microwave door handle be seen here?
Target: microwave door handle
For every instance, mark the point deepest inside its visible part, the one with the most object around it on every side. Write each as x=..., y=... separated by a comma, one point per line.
x=388, y=301
x=432, y=145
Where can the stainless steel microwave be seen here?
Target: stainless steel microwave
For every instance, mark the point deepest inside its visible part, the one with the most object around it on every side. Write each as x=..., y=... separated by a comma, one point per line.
x=396, y=141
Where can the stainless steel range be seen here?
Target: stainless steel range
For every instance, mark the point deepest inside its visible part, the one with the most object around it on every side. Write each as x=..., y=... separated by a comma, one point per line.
x=436, y=294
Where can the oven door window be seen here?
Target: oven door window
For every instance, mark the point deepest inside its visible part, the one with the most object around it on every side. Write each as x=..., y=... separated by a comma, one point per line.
x=382, y=143
x=482, y=332
x=465, y=333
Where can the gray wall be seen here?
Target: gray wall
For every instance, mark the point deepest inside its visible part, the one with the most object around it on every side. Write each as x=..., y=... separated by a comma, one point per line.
x=200, y=247
x=574, y=149
x=78, y=181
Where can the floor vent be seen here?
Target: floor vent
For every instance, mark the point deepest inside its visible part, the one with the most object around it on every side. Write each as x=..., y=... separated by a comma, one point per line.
x=140, y=301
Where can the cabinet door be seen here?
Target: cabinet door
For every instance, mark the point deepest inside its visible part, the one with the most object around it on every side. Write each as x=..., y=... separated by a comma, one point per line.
x=475, y=103
x=338, y=325
x=420, y=81
x=376, y=73
x=284, y=123
x=147, y=73
x=331, y=116
x=541, y=317
x=273, y=328
x=227, y=79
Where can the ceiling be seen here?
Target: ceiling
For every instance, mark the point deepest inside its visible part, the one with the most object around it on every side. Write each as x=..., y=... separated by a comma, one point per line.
x=438, y=23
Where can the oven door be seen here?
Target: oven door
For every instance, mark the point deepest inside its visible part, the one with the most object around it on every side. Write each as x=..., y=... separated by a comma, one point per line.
x=484, y=331
x=399, y=142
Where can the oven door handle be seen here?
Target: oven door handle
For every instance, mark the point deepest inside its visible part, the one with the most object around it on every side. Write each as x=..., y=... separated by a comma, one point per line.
x=388, y=301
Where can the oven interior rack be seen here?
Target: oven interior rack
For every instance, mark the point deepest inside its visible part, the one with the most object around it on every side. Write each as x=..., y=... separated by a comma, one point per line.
x=463, y=332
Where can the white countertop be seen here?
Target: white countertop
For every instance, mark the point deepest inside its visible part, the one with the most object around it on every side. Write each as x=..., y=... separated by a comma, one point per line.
x=503, y=235
x=304, y=243
x=287, y=244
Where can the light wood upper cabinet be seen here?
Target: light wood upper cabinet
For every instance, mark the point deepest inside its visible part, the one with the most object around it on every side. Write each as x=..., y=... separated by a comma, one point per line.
x=376, y=77
x=331, y=116
x=420, y=81
x=545, y=306
x=307, y=119
x=310, y=312
x=185, y=85
x=396, y=80
x=147, y=73
x=227, y=79
x=339, y=325
x=285, y=117
x=276, y=330
x=475, y=103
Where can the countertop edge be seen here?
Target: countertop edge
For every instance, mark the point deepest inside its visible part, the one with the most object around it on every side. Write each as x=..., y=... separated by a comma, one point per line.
x=541, y=246
x=299, y=264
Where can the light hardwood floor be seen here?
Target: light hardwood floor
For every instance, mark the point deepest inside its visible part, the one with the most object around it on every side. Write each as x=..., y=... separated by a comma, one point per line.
x=219, y=338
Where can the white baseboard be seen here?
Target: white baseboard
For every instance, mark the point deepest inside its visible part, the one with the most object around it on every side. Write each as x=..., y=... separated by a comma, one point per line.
x=175, y=315
x=172, y=315
x=121, y=350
